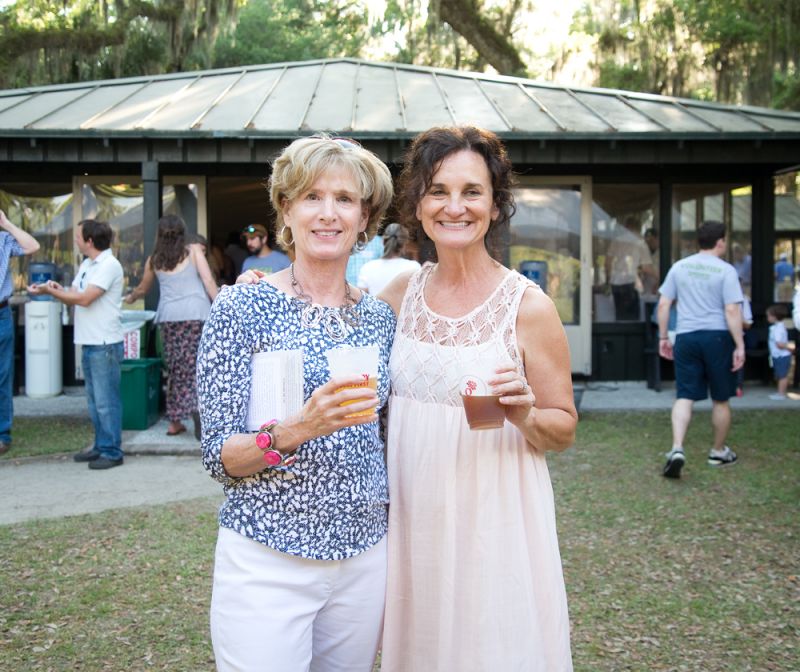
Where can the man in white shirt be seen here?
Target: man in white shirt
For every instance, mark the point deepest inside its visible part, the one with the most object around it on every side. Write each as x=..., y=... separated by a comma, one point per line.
x=96, y=294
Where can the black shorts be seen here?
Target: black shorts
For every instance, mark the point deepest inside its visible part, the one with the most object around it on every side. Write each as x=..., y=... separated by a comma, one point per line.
x=703, y=361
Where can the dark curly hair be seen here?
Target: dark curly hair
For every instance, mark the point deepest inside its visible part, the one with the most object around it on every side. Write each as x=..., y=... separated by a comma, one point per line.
x=170, y=248
x=425, y=155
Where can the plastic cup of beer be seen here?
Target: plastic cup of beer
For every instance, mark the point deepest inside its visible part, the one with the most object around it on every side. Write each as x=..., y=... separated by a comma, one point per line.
x=350, y=361
x=482, y=408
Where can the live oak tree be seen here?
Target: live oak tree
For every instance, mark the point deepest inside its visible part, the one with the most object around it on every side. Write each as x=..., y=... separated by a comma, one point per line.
x=734, y=51
x=49, y=42
x=270, y=31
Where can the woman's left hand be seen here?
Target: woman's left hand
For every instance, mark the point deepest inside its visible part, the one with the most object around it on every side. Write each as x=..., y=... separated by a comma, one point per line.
x=515, y=393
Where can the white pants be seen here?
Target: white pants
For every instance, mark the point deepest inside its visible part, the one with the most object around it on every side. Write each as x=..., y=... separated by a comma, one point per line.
x=271, y=611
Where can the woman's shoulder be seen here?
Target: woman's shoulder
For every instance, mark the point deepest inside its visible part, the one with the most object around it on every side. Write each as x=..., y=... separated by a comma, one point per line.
x=394, y=293
x=244, y=297
x=376, y=307
x=534, y=304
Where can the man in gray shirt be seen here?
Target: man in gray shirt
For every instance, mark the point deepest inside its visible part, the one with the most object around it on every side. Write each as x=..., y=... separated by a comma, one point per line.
x=709, y=347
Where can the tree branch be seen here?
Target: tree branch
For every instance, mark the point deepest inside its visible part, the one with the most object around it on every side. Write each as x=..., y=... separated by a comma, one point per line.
x=465, y=18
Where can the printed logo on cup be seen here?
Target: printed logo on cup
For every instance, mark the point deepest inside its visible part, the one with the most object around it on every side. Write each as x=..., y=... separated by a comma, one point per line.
x=471, y=385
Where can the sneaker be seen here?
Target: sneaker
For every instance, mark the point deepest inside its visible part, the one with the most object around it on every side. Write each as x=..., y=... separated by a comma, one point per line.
x=105, y=463
x=777, y=397
x=86, y=455
x=675, y=460
x=722, y=459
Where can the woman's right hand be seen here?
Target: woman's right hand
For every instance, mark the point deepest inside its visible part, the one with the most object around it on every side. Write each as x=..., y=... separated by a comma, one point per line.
x=324, y=413
x=251, y=277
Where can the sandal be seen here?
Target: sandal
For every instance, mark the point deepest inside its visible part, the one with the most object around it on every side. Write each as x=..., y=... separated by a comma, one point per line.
x=175, y=429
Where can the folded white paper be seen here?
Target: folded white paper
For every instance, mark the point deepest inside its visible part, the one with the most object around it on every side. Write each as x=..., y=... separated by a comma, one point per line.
x=276, y=389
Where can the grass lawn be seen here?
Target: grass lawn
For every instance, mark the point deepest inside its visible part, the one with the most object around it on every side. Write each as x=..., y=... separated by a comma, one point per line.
x=699, y=574
x=38, y=436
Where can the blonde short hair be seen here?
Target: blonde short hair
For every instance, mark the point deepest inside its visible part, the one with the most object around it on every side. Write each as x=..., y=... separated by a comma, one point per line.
x=302, y=162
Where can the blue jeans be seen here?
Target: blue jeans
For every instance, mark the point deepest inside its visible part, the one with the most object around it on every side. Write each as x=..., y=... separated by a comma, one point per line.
x=6, y=373
x=102, y=372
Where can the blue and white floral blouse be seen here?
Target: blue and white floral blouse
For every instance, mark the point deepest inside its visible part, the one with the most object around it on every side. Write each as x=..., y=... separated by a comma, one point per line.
x=332, y=503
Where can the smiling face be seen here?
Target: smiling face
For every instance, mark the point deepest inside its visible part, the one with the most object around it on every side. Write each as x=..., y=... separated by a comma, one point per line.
x=326, y=219
x=458, y=207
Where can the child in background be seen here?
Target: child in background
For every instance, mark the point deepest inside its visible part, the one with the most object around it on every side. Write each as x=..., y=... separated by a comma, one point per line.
x=780, y=350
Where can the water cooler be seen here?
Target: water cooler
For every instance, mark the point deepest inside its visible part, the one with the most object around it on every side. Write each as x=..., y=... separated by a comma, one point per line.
x=42, y=339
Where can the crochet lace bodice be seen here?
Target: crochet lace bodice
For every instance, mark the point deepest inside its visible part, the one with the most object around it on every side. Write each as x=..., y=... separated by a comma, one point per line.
x=431, y=350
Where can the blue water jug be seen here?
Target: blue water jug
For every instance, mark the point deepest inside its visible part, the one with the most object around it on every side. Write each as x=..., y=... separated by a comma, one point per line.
x=536, y=271
x=40, y=272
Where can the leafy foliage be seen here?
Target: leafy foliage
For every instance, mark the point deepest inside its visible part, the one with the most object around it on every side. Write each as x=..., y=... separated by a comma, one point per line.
x=270, y=31
x=45, y=42
x=735, y=51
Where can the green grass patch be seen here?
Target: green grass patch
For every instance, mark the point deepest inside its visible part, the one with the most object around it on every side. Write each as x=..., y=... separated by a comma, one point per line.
x=51, y=435
x=124, y=590
x=695, y=574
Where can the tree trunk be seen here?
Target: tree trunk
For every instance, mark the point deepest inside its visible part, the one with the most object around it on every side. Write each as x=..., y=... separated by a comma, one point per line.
x=464, y=17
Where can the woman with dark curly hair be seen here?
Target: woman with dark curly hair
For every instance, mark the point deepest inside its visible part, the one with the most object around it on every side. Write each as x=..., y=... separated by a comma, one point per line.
x=187, y=288
x=474, y=572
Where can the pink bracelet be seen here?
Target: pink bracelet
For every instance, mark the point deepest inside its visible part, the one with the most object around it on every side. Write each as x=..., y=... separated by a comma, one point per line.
x=265, y=442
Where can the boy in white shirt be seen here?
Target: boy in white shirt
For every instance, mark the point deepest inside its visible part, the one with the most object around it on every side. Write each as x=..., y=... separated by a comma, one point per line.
x=780, y=349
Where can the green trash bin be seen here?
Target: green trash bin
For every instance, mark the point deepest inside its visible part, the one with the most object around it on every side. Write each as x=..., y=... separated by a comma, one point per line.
x=141, y=386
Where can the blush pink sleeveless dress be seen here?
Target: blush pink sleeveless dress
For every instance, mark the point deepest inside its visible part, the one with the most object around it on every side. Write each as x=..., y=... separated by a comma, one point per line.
x=474, y=576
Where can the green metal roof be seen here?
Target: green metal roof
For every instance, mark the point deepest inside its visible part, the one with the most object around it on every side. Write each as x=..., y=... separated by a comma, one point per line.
x=367, y=99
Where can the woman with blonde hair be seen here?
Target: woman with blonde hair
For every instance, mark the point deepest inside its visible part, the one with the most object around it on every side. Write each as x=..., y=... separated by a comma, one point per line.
x=300, y=566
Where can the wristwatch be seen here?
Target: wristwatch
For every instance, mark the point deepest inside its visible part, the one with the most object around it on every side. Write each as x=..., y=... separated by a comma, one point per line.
x=266, y=442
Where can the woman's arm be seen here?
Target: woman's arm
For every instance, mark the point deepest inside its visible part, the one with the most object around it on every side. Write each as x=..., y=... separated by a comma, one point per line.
x=203, y=270
x=144, y=286
x=394, y=292
x=322, y=414
x=26, y=241
x=546, y=413
x=223, y=388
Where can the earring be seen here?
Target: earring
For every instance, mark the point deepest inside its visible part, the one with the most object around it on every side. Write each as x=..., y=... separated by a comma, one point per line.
x=359, y=246
x=287, y=243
